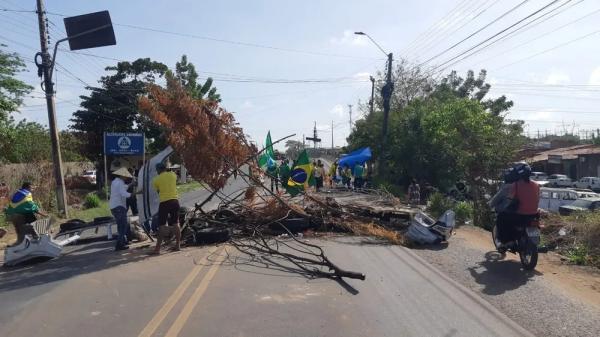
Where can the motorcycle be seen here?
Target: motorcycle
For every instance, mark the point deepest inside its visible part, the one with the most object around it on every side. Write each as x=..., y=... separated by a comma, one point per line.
x=526, y=241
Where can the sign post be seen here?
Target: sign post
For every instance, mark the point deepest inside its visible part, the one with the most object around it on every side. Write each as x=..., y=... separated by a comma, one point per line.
x=122, y=144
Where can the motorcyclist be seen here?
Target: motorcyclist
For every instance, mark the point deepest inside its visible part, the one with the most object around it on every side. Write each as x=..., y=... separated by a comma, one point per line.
x=516, y=203
x=501, y=202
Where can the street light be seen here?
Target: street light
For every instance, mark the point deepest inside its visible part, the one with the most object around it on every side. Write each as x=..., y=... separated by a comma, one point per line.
x=386, y=94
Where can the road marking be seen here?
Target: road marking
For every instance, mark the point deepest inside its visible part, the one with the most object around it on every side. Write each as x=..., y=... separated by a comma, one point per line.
x=174, y=298
x=193, y=301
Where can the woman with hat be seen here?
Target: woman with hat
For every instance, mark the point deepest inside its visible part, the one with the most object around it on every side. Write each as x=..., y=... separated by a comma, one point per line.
x=118, y=205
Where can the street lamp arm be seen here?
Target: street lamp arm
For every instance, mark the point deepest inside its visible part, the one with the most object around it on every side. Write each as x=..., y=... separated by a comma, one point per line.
x=375, y=43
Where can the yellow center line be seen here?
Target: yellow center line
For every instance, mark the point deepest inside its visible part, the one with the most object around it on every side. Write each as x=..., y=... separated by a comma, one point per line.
x=174, y=298
x=193, y=301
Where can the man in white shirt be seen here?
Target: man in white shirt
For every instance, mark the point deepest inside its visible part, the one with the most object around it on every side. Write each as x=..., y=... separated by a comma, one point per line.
x=118, y=205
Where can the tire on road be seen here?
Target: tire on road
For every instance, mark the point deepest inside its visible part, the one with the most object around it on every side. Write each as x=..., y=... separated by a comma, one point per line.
x=210, y=235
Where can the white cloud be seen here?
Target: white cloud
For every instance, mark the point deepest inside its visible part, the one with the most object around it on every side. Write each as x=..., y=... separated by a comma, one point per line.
x=362, y=76
x=349, y=38
x=338, y=110
x=595, y=77
x=557, y=77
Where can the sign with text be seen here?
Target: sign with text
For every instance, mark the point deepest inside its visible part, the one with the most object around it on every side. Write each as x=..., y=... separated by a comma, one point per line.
x=116, y=143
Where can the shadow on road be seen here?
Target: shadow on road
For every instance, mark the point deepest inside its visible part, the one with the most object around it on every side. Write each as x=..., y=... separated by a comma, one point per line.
x=499, y=275
x=82, y=260
x=434, y=247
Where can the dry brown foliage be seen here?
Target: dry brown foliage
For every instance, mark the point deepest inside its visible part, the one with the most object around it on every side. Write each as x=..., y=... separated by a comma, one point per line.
x=207, y=137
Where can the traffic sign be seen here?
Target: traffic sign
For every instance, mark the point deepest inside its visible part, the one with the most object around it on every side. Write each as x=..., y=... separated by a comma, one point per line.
x=116, y=143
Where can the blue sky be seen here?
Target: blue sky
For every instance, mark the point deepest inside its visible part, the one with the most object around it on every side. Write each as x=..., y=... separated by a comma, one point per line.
x=553, y=90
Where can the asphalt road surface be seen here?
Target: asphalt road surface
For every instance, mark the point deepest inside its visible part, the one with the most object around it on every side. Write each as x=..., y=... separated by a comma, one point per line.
x=217, y=291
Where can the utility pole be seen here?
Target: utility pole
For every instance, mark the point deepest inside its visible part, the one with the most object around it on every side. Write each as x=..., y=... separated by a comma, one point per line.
x=61, y=193
x=372, y=102
x=350, y=115
x=386, y=94
x=331, y=135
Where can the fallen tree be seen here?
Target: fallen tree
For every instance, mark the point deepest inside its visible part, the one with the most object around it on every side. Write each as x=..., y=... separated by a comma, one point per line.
x=255, y=220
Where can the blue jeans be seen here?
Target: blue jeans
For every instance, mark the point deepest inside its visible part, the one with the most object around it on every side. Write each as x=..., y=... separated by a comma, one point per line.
x=120, y=214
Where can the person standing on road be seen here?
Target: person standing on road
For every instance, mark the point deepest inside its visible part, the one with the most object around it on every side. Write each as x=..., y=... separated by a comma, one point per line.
x=284, y=173
x=273, y=173
x=21, y=211
x=118, y=205
x=346, y=176
x=165, y=184
x=414, y=193
x=332, y=173
x=319, y=174
x=359, y=174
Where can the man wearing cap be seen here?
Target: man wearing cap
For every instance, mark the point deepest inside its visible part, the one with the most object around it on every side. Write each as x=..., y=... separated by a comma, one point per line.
x=165, y=184
x=118, y=205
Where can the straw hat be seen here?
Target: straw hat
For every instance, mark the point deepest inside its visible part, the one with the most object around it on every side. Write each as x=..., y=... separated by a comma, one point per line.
x=122, y=172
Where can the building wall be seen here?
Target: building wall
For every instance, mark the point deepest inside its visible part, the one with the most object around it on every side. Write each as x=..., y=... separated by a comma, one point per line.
x=589, y=166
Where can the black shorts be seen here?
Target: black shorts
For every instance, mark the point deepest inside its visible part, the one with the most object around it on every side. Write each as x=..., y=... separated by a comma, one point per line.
x=168, y=211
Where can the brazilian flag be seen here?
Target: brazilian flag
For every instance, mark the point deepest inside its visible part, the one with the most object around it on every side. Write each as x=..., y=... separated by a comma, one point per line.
x=300, y=175
x=268, y=154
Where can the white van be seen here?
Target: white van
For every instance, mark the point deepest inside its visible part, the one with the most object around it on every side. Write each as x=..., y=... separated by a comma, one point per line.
x=552, y=198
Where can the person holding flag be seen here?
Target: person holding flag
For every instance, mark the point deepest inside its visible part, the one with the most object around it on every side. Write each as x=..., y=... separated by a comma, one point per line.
x=300, y=174
x=284, y=173
x=273, y=173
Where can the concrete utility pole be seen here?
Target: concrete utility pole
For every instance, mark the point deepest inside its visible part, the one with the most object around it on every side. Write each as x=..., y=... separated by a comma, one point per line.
x=332, y=135
x=372, y=101
x=386, y=94
x=44, y=70
x=350, y=115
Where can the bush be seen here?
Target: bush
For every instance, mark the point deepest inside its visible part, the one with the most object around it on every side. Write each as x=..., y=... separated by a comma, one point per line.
x=91, y=201
x=439, y=204
x=464, y=212
x=578, y=255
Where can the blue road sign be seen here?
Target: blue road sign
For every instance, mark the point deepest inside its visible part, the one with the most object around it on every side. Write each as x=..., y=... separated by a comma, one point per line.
x=123, y=143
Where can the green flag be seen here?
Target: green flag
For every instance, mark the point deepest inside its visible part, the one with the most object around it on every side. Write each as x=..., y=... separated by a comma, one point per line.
x=268, y=153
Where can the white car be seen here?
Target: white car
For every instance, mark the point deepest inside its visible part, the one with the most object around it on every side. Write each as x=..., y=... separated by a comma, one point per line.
x=590, y=183
x=90, y=175
x=559, y=180
x=539, y=176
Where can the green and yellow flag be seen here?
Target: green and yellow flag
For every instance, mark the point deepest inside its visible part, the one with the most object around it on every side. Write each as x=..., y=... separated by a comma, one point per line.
x=300, y=175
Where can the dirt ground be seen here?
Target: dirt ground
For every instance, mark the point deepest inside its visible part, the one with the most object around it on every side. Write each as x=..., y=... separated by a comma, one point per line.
x=582, y=283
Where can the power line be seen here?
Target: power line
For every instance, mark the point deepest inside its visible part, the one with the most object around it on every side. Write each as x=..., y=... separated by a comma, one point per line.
x=551, y=49
x=431, y=43
x=428, y=32
x=497, y=34
x=544, y=34
x=475, y=33
x=513, y=33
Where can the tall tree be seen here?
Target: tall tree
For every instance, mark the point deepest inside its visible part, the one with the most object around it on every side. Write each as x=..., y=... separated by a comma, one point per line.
x=113, y=107
x=185, y=73
x=12, y=89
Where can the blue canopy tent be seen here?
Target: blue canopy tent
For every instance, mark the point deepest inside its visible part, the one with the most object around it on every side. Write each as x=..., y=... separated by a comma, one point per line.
x=359, y=156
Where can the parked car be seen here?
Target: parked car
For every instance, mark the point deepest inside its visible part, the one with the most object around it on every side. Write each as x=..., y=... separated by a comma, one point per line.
x=591, y=183
x=585, y=193
x=559, y=180
x=90, y=175
x=551, y=199
x=587, y=204
x=539, y=176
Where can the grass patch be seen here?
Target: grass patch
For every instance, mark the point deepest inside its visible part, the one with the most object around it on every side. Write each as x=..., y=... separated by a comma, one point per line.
x=191, y=186
x=91, y=213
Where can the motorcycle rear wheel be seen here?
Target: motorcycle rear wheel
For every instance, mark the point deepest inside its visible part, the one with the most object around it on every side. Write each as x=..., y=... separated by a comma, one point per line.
x=529, y=255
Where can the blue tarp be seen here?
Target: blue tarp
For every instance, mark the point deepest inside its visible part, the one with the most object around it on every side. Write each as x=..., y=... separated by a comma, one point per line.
x=359, y=156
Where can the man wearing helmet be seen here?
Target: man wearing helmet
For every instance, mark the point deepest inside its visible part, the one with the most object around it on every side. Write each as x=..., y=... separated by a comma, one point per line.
x=516, y=202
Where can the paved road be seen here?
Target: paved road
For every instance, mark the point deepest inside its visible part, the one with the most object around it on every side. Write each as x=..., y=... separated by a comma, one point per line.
x=217, y=291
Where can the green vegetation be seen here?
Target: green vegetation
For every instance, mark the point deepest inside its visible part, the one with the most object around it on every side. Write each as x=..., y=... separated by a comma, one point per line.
x=91, y=213
x=442, y=132
x=464, y=212
x=438, y=204
x=578, y=255
x=91, y=201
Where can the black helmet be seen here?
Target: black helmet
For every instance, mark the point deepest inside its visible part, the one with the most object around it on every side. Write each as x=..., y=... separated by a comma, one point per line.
x=523, y=170
x=511, y=175
x=160, y=167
